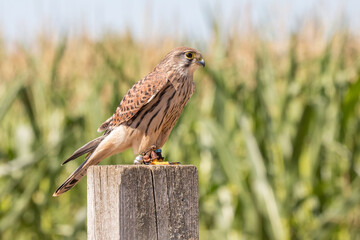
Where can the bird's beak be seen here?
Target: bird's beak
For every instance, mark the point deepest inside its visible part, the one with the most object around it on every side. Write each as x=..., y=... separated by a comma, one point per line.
x=201, y=62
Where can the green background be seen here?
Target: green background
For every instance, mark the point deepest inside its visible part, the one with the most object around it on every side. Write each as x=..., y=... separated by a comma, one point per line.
x=273, y=128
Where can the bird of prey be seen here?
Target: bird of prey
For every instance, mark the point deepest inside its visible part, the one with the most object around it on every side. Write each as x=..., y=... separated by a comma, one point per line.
x=145, y=116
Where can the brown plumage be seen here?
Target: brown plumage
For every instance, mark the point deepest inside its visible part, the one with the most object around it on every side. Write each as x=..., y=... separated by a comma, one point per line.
x=145, y=116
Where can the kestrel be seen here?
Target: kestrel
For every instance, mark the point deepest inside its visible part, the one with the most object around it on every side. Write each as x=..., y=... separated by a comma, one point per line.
x=145, y=116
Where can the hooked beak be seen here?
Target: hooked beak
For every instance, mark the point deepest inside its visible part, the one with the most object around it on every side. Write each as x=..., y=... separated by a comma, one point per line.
x=201, y=62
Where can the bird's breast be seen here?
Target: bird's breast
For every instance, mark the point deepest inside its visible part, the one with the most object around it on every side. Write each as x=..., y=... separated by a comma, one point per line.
x=162, y=112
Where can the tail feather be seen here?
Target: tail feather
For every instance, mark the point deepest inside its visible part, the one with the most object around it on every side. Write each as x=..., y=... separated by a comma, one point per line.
x=81, y=171
x=98, y=149
x=105, y=150
x=73, y=179
x=87, y=148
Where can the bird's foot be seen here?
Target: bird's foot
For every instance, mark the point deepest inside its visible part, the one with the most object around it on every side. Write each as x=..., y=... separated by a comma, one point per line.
x=156, y=158
x=153, y=158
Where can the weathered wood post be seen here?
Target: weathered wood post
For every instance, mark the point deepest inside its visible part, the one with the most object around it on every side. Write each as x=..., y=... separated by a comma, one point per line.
x=143, y=202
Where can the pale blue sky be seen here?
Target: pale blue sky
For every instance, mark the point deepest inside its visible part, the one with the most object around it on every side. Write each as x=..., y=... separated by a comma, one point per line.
x=22, y=20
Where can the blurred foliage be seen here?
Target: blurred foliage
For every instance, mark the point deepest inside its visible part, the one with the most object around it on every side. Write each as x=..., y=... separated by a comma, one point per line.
x=274, y=129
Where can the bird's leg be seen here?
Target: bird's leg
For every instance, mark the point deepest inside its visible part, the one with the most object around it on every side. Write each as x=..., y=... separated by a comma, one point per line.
x=158, y=159
x=147, y=156
x=152, y=157
x=142, y=159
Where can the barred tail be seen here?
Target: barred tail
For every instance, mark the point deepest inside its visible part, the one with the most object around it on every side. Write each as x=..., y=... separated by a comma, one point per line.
x=73, y=179
x=98, y=149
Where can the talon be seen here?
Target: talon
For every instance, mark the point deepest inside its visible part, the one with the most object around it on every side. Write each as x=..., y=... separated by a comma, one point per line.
x=153, y=157
x=146, y=160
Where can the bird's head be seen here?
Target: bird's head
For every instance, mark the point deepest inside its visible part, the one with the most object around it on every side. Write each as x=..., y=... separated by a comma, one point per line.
x=183, y=59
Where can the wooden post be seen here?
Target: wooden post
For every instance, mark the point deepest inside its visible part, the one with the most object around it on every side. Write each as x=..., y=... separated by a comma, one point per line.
x=143, y=202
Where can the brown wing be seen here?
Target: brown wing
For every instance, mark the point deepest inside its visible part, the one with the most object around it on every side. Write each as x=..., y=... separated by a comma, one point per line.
x=138, y=96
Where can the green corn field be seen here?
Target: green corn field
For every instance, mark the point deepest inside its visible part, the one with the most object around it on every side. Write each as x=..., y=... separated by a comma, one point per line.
x=273, y=128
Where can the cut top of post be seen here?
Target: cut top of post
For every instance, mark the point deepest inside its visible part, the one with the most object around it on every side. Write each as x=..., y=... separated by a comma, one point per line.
x=143, y=202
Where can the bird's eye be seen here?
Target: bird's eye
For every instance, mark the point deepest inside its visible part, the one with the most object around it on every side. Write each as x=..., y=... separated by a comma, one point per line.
x=190, y=55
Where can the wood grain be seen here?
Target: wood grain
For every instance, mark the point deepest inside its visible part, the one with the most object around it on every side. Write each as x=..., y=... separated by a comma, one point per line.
x=143, y=202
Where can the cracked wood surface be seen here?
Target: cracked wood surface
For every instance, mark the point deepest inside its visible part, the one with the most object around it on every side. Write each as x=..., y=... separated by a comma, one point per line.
x=143, y=202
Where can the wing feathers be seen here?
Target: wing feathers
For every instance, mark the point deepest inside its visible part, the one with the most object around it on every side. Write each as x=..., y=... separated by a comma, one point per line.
x=137, y=97
x=105, y=124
